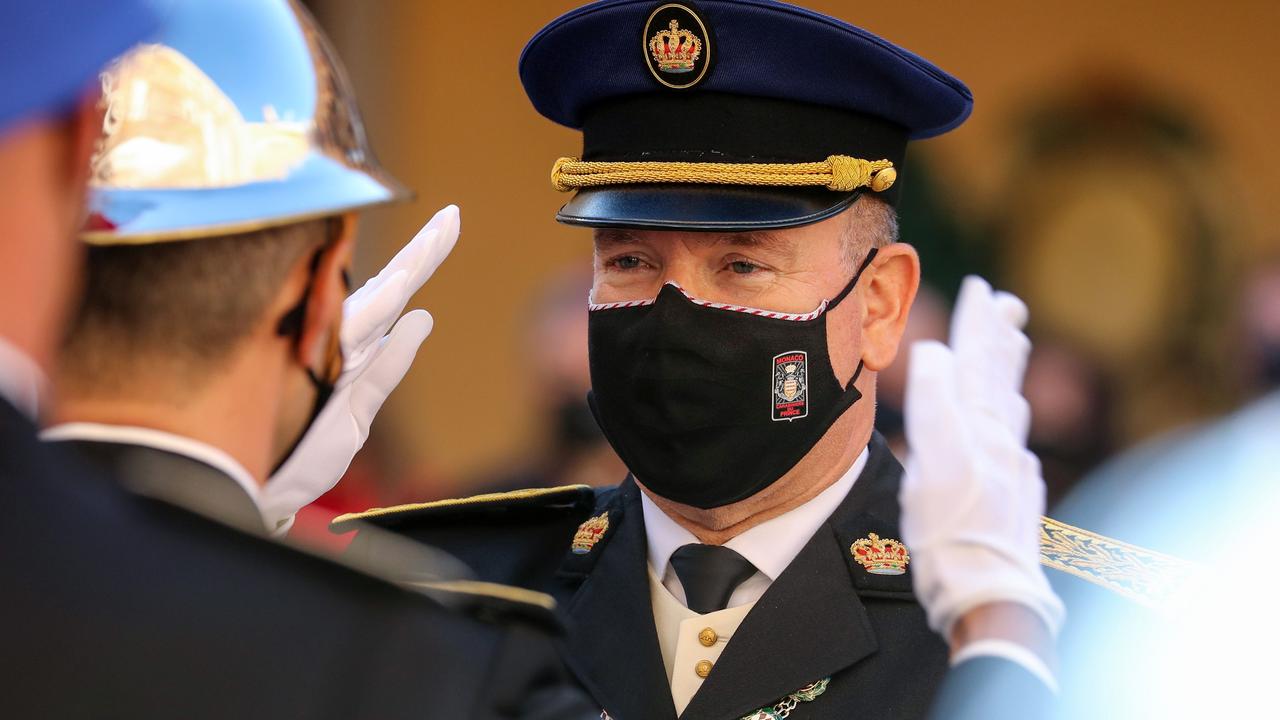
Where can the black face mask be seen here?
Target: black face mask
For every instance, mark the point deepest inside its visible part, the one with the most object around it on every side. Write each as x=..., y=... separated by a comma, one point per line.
x=706, y=403
x=574, y=429
x=290, y=326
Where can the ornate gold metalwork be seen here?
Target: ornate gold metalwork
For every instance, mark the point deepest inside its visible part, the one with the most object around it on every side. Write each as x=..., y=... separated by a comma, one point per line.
x=1144, y=576
x=690, y=57
x=675, y=49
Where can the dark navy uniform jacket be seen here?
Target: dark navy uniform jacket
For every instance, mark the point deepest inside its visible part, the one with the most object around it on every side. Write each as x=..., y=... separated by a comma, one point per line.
x=824, y=617
x=117, y=605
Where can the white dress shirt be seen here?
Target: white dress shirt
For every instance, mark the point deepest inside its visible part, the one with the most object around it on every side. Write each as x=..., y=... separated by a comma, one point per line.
x=769, y=546
x=22, y=382
x=159, y=440
x=691, y=642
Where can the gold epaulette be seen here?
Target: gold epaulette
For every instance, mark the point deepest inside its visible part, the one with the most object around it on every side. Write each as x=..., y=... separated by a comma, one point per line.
x=514, y=498
x=1145, y=576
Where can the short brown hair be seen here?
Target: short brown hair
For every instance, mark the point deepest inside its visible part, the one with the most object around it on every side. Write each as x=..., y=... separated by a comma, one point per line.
x=177, y=308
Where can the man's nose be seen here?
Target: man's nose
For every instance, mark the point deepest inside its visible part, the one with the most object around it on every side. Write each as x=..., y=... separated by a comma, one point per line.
x=688, y=277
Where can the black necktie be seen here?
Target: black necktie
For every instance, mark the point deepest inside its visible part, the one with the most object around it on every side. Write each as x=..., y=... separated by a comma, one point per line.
x=709, y=574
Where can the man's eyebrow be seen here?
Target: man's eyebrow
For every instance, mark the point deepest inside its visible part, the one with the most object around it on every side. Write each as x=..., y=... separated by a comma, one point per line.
x=612, y=237
x=762, y=239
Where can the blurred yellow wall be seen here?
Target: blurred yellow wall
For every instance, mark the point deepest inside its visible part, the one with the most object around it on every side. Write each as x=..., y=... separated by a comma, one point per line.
x=438, y=86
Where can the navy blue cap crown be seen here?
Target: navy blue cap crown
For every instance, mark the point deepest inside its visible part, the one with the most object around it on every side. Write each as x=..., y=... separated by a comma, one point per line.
x=729, y=81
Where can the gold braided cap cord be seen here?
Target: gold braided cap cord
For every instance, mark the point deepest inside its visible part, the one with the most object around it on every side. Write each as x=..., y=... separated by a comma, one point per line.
x=839, y=173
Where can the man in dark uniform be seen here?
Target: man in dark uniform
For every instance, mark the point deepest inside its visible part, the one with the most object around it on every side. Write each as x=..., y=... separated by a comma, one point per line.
x=147, y=601
x=740, y=167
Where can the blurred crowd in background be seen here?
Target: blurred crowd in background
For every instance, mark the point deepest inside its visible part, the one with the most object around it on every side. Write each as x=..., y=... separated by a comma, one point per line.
x=1131, y=215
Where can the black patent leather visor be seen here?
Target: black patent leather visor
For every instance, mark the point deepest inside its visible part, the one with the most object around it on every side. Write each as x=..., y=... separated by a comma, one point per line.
x=711, y=208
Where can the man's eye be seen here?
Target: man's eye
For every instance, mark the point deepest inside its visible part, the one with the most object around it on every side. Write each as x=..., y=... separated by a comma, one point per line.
x=742, y=267
x=626, y=262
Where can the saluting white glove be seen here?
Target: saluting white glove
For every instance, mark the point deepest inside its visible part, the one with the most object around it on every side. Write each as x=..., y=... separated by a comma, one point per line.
x=374, y=362
x=972, y=496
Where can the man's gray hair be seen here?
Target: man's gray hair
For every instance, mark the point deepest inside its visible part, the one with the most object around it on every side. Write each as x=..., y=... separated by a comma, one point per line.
x=869, y=223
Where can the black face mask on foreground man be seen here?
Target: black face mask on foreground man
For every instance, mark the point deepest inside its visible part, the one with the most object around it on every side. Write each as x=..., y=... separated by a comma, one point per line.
x=707, y=403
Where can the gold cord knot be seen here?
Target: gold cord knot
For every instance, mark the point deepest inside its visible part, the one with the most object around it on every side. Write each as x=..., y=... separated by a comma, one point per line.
x=850, y=173
x=557, y=174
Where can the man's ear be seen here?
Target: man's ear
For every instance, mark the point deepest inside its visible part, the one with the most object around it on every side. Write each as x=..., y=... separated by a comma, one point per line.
x=894, y=279
x=328, y=290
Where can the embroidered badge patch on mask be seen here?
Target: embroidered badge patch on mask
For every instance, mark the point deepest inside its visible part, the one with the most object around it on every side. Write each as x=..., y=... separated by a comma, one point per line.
x=677, y=46
x=790, y=385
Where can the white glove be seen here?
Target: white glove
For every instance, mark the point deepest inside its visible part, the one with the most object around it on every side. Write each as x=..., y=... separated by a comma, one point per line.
x=374, y=362
x=972, y=496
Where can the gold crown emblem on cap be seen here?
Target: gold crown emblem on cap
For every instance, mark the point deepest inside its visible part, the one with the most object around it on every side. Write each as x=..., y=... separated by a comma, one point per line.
x=880, y=557
x=675, y=50
x=589, y=533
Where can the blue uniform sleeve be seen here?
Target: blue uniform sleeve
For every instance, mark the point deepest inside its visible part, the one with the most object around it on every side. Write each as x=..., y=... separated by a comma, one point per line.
x=992, y=688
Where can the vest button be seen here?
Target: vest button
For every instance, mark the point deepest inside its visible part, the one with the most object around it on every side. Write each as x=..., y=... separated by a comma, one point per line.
x=708, y=637
x=703, y=668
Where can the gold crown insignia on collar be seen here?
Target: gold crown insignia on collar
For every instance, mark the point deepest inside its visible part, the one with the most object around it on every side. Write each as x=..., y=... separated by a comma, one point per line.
x=675, y=50
x=589, y=533
x=880, y=557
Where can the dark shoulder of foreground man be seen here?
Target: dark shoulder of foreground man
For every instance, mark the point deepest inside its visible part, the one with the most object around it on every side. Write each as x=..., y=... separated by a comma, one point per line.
x=123, y=604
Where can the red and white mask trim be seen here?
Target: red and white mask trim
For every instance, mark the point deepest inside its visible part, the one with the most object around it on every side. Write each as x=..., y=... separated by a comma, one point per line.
x=593, y=306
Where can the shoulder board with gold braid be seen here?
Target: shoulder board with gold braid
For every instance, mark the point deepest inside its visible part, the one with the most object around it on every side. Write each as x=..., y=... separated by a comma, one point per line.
x=567, y=497
x=1145, y=576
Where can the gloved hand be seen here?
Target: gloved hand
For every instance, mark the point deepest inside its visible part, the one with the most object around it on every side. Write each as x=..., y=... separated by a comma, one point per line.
x=374, y=362
x=972, y=496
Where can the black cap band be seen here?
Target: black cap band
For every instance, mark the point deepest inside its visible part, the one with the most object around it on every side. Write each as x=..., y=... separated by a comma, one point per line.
x=724, y=128
x=717, y=127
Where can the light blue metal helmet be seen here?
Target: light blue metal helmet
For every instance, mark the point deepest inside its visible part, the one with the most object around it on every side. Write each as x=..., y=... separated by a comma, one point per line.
x=237, y=117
